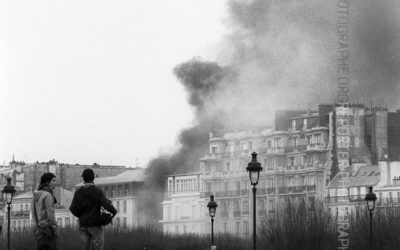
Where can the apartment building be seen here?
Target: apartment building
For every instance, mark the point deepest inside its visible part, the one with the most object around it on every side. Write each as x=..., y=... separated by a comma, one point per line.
x=296, y=159
x=184, y=205
x=348, y=189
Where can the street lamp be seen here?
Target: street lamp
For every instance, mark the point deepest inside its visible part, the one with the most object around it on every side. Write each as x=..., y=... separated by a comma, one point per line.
x=212, y=208
x=254, y=168
x=8, y=192
x=370, y=199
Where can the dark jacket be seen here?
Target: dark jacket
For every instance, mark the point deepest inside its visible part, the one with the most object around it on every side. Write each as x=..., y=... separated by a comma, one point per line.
x=87, y=203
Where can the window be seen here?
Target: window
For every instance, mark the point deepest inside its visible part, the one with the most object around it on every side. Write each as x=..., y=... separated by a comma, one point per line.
x=118, y=222
x=67, y=222
x=117, y=206
x=317, y=139
x=124, y=222
x=214, y=149
x=106, y=191
x=228, y=166
x=245, y=206
x=124, y=206
x=59, y=222
x=291, y=161
x=112, y=191
x=169, y=213
x=246, y=227
x=238, y=227
x=126, y=189
x=269, y=144
x=305, y=124
x=294, y=124
x=225, y=227
x=120, y=190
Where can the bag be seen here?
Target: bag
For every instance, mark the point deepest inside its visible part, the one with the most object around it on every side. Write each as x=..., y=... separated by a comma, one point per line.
x=105, y=218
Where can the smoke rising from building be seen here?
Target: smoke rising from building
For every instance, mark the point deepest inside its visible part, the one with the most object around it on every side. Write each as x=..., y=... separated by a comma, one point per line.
x=283, y=55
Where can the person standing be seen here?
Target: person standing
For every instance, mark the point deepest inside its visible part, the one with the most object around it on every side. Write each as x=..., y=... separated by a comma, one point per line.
x=46, y=230
x=86, y=205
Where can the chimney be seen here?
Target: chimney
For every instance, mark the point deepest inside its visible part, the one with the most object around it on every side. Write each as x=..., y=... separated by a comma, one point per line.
x=396, y=181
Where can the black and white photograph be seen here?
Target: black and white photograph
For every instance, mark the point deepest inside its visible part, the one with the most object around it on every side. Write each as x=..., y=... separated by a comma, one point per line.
x=200, y=125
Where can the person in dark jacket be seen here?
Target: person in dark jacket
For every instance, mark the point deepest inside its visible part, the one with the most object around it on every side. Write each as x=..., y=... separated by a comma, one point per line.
x=86, y=205
x=46, y=230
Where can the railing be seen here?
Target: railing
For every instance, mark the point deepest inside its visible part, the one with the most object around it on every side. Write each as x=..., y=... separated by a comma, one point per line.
x=283, y=190
x=244, y=191
x=23, y=213
x=345, y=199
x=300, y=147
x=261, y=191
x=276, y=150
x=311, y=187
x=271, y=190
x=316, y=146
x=298, y=189
x=224, y=213
x=262, y=212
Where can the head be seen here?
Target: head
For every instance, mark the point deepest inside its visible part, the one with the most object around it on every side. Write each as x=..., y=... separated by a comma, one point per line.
x=88, y=175
x=48, y=180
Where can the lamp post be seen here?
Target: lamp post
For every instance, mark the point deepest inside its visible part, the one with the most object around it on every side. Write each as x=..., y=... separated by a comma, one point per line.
x=254, y=168
x=370, y=198
x=8, y=192
x=212, y=208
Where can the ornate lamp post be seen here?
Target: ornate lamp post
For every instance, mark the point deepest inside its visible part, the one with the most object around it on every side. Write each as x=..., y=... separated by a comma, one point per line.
x=370, y=199
x=212, y=208
x=254, y=168
x=8, y=193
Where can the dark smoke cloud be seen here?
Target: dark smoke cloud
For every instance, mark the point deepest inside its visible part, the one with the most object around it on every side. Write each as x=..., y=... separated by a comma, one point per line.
x=282, y=54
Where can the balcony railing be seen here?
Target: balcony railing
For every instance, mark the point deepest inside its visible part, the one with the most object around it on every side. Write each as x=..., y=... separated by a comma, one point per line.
x=276, y=150
x=20, y=214
x=224, y=213
x=283, y=190
x=316, y=146
x=298, y=189
x=271, y=190
x=244, y=191
x=311, y=188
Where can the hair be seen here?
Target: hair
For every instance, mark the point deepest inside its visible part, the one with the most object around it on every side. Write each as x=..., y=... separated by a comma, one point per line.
x=88, y=175
x=45, y=179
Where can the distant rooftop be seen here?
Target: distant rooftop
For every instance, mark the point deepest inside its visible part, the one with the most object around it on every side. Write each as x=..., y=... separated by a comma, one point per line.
x=363, y=177
x=130, y=175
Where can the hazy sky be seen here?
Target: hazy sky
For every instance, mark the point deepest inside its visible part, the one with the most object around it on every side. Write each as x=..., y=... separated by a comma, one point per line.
x=92, y=81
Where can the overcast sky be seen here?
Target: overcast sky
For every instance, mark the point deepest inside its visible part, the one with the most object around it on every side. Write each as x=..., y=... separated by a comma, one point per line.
x=91, y=81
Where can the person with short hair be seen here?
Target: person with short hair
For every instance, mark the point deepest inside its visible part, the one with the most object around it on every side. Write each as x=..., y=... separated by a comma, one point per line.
x=46, y=230
x=86, y=205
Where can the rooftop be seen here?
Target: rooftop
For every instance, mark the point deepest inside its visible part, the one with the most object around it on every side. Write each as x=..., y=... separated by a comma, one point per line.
x=130, y=175
x=363, y=177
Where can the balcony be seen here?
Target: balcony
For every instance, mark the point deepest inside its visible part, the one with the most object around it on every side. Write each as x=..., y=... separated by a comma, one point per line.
x=296, y=148
x=224, y=213
x=298, y=189
x=311, y=188
x=261, y=191
x=283, y=190
x=394, y=201
x=276, y=150
x=20, y=214
x=271, y=190
x=262, y=212
x=320, y=146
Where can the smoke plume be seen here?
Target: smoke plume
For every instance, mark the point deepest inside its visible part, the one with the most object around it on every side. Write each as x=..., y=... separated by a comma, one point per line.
x=282, y=54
